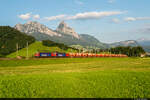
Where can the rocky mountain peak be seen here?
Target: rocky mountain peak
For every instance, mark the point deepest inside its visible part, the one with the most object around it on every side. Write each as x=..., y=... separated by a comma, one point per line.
x=33, y=23
x=64, y=28
x=62, y=24
x=35, y=27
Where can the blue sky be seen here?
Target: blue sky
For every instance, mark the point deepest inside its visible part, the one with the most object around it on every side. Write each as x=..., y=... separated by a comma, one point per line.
x=107, y=20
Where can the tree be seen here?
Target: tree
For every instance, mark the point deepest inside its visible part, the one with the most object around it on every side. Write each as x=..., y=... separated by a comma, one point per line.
x=60, y=45
x=130, y=51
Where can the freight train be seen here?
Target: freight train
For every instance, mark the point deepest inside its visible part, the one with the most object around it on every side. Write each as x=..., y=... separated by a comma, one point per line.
x=75, y=55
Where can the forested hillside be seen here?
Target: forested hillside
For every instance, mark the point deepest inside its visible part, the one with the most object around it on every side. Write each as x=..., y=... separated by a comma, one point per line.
x=10, y=37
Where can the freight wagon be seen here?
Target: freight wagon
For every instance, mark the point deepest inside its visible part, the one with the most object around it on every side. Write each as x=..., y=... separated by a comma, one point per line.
x=75, y=55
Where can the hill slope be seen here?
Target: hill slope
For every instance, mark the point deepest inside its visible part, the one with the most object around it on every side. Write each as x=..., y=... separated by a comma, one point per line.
x=35, y=47
x=9, y=37
x=92, y=41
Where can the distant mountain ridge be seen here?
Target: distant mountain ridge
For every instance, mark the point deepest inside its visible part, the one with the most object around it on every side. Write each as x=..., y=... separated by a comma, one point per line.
x=145, y=43
x=67, y=35
x=125, y=43
x=63, y=34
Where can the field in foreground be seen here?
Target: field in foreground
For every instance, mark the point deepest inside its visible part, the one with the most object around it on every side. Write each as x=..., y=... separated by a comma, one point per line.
x=76, y=77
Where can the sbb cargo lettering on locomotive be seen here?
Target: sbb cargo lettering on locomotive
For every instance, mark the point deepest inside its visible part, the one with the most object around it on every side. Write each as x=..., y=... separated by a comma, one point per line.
x=45, y=54
x=61, y=55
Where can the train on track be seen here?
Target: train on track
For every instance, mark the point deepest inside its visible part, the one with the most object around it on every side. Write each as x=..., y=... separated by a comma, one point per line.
x=75, y=55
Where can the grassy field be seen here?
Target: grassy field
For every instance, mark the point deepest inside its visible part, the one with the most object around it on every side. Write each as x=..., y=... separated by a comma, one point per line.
x=76, y=77
x=35, y=47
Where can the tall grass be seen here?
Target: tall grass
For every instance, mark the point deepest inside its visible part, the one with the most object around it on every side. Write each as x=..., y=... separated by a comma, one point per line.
x=69, y=78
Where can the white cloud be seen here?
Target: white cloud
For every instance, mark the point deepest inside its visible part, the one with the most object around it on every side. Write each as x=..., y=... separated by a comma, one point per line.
x=93, y=15
x=115, y=20
x=59, y=17
x=28, y=16
x=84, y=16
x=129, y=19
x=36, y=16
x=25, y=16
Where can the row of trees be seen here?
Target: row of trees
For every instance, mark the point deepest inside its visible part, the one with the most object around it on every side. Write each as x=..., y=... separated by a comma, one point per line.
x=54, y=44
x=130, y=51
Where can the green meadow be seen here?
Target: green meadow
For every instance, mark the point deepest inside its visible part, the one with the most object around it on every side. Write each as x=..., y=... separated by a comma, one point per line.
x=36, y=47
x=75, y=77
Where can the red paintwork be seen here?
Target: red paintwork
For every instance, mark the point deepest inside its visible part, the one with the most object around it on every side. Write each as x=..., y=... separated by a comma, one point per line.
x=67, y=55
x=37, y=55
x=53, y=54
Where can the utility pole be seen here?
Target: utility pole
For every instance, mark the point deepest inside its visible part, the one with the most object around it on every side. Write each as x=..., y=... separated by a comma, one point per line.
x=96, y=51
x=110, y=51
x=79, y=50
x=17, y=49
x=27, y=50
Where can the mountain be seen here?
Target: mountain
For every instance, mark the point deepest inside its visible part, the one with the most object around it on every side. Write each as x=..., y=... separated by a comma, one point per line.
x=145, y=43
x=125, y=43
x=67, y=35
x=9, y=37
x=63, y=34
x=93, y=41
x=64, y=28
x=35, y=27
